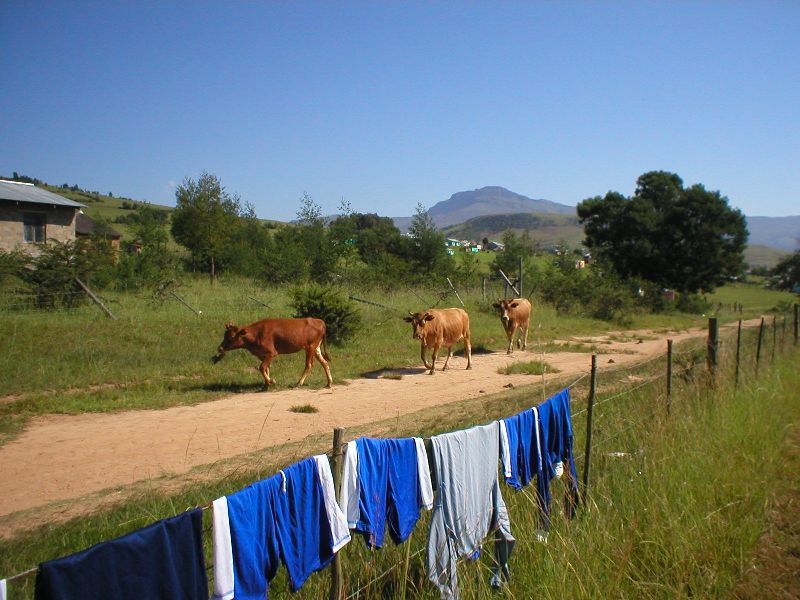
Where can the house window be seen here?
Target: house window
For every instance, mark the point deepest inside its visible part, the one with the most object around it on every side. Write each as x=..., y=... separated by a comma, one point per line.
x=33, y=225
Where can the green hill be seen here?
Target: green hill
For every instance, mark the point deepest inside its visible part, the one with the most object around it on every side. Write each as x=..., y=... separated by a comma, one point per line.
x=545, y=228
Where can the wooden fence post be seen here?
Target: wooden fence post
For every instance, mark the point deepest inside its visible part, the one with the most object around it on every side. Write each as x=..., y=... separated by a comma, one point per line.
x=483, y=289
x=337, y=581
x=712, y=346
x=669, y=376
x=588, y=454
x=95, y=299
x=520, y=277
x=738, y=354
x=796, y=310
x=774, y=335
x=758, y=346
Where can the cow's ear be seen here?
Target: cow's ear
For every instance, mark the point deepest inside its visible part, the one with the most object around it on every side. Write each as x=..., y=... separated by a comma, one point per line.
x=408, y=319
x=428, y=317
x=496, y=304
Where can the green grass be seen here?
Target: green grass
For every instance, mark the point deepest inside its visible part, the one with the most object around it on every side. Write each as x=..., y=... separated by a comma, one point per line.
x=676, y=501
x=531, y=367
x=157, y=353
x=304, y=408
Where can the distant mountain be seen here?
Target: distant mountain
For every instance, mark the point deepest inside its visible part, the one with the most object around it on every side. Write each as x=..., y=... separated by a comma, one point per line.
x=490, y=200
x=782, y=233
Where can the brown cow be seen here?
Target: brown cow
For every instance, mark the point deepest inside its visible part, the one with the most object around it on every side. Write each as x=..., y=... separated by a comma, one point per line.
x=441, y=327
x=515, y=313
x=270, y=337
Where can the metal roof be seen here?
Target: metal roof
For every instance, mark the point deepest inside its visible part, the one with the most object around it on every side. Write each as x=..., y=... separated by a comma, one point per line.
x=25, y=192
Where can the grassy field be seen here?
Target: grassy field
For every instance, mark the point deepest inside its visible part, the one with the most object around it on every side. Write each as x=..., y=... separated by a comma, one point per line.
x=677, y=501
x=157, y=353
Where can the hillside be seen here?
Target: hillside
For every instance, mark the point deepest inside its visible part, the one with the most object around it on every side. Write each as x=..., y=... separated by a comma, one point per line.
x=545, y=228
x=757, y=255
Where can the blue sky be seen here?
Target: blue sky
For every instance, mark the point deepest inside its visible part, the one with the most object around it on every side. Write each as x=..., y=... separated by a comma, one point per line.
x=387, y=104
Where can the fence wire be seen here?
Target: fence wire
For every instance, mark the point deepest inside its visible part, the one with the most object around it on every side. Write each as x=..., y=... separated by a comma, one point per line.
x=695, y=353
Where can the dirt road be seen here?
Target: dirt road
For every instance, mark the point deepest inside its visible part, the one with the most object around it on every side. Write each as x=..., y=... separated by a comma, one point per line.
x=61, y=457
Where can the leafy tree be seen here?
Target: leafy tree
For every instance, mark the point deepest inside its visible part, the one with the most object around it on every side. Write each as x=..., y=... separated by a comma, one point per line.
x=204, y=220
x=284, y=259
x=428, y=253
x=320, y=254
x=687, y=239
x=786, y=274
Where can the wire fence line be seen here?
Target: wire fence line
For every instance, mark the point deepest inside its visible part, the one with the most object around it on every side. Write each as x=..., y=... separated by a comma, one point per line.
x=657, y=407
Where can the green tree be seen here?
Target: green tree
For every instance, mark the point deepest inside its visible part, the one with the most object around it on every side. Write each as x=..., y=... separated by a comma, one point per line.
x=786, y=274
x=427, y=252
x=205, y=218
x=687, y=239
x=321, y=255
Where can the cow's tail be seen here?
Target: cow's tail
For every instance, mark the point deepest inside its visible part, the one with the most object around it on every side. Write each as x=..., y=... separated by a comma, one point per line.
x=324, y=345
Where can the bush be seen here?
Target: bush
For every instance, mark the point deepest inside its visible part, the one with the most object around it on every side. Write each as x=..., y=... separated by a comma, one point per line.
x=341, y=317
x=692, y=303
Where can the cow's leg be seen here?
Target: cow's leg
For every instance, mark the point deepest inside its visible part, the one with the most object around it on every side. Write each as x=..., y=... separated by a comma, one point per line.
x=468, y=350
x=422, y=354
x=264, y=368
x=433, y=357
x=309, y=364
x=447, y=360
x=525, y=331
x=326, y=365
x=510, y=335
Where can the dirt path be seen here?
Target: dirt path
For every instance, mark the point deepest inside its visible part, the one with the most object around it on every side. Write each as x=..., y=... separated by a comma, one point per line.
x=60, y=458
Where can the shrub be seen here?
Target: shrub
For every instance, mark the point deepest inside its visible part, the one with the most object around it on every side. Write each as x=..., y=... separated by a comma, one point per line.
x=341, y=317
x=692, y=303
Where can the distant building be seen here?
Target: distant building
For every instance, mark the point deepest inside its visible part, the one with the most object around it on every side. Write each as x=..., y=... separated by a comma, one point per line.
x=30, y=215
x=86, y=227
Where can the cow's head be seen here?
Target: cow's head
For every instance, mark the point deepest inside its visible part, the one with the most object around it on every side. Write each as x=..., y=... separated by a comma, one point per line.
x=419, y=322
x=235, y=337
x=506, y=307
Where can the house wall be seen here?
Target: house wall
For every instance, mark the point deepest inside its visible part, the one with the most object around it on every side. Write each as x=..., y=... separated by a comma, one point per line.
x=59, y=225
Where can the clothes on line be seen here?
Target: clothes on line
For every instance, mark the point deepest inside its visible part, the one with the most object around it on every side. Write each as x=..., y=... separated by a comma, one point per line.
x=385, y=480
x=291, y=517
x=468, y=505
x=555, y=422
x=162, y=560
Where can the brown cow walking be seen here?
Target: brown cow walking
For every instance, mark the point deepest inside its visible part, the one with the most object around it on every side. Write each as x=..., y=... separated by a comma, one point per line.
x=441, y=327
x=515, y=314
x=270, y=337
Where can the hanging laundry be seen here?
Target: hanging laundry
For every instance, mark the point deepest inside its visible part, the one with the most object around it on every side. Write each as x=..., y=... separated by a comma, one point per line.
x=468, y=506
x=292, y=517
x=385, y=480
x=3, y=591
x=162, y=560
x=555, y=421
x=521, y=454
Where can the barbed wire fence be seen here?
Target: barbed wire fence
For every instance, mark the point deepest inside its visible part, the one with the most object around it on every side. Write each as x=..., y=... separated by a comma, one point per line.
x=722, y=358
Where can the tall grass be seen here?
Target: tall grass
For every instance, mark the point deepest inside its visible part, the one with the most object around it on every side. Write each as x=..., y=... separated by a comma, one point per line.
x=675, y=505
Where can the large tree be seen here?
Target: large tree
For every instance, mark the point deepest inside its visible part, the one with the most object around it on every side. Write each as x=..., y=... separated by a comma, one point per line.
x=687, y=239
x=205, y=218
